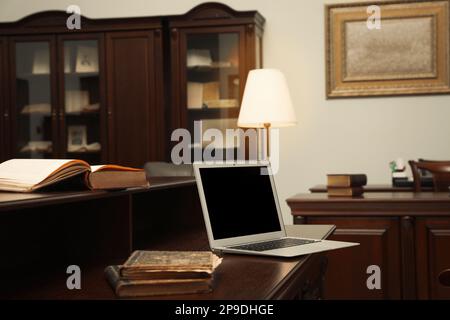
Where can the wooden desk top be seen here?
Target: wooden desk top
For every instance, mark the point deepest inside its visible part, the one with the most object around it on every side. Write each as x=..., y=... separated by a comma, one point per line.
x=13, y=200
x=239, y=277
x=372, y=203
x=373, y=188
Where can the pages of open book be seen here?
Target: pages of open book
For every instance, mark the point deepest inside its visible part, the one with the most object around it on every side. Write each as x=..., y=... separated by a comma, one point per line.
x=24, y=174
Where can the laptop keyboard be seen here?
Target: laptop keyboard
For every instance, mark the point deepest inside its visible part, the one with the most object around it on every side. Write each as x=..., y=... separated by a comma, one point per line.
x=273, y=244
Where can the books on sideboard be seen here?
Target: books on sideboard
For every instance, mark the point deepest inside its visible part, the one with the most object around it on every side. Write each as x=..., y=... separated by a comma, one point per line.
x=28, y=175
x=346, y=185
x=150, y=273
x=346, y=180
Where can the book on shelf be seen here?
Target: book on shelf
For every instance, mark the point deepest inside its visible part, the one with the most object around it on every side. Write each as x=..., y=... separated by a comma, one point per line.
x=198, y=58
x=148, y=273
x=345, y=191
x=37, y=146
x=40, y=108
x=28, y=175
x=124, y=287
x=346, y=180
x=87, y=60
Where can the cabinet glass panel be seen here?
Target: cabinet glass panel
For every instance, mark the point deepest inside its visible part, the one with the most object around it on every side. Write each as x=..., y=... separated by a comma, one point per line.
x=33, y=100
x=213, y=83
x=82, y=100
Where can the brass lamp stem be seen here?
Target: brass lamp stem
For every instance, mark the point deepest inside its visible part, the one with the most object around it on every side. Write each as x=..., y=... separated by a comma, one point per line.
x=267, y=127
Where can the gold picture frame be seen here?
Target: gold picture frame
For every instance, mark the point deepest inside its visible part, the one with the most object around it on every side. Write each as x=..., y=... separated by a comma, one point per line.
x=408, y=54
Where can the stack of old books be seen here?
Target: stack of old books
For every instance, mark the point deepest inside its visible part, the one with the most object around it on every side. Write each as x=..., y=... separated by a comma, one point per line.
x=151, y=273
x=346, y=185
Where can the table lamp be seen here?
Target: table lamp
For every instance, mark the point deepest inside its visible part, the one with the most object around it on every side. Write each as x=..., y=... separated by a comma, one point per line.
x=266, y=103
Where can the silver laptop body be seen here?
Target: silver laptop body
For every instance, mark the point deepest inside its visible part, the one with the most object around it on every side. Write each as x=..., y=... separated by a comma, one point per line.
x=240, y=207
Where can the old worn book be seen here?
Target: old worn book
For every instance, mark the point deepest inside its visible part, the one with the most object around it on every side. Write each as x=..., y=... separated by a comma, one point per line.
x=345, y=192
x=140, y=288
x=169, y=261
x=346, y=180
x=28, y=175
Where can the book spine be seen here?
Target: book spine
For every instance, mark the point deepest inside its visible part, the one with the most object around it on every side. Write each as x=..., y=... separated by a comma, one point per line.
x=348, y=181
x=113, y=277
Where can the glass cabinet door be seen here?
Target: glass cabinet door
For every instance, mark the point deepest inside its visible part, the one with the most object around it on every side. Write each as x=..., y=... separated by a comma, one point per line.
x=213, y=83
x=33, y=132
x=81, y=100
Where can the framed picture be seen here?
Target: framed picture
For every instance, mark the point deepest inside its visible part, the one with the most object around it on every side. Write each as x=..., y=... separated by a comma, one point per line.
x=76, y=138
x=87, y=59
x=408, y=53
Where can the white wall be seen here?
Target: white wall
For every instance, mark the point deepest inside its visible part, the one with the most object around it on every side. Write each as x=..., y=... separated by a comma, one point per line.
x=333, y=136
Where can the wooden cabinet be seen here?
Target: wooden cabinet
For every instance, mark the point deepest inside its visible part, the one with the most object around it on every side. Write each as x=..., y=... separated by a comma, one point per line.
x=135, y=105
x=432, y=238
x=347, y=269
x=406, y=234
x=114, y=90
x=212, y=50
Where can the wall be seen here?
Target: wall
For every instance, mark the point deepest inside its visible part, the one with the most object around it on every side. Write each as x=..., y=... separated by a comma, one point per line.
x=332, y=136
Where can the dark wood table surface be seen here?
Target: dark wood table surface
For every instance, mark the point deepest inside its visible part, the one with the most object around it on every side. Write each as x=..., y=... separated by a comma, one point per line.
x=42, y=233
x=398, y=203
x=17, y=200
x=239, y=277
x=373, y=188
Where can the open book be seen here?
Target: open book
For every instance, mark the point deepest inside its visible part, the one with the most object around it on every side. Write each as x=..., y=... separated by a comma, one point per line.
x=28, y=175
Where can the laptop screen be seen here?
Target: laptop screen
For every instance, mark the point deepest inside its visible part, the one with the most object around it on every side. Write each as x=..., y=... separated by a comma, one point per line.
x=240, y=201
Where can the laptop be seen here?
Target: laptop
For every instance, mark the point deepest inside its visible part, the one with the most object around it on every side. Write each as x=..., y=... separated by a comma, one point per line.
x=242, y=213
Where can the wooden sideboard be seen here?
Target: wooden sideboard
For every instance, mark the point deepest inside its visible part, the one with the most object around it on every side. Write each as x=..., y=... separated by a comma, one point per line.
x=406, y=234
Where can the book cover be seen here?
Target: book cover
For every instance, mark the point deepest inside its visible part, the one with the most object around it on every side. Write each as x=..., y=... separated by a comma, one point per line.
x=144, y=288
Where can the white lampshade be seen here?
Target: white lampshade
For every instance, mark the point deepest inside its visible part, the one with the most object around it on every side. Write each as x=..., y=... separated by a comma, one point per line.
x=266, y=101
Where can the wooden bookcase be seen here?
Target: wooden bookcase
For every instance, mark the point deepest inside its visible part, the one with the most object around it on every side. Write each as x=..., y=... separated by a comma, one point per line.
x=212, y=50
x=114, y=90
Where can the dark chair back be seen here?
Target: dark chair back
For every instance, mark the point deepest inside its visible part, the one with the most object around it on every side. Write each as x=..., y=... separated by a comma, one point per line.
x=439, y=169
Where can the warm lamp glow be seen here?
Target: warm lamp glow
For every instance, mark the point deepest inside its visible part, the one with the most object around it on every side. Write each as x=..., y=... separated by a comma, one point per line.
x=266, y=101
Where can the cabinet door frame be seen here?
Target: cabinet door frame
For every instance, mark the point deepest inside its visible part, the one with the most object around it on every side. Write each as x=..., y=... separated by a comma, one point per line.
x=428, y=230
x=4, y=110
x=155, y=132
x=62, y=141
x=13, y=115
x=179, y=36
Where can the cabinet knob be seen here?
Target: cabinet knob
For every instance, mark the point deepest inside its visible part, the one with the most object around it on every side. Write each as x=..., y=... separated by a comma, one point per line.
x=444, y=278
x=174, y=33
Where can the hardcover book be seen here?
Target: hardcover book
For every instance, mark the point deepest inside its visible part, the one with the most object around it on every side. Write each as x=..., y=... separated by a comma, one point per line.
x=124, y=287
x=28, y=175
x=345, y=192
x=149, y=263
x=346, y=180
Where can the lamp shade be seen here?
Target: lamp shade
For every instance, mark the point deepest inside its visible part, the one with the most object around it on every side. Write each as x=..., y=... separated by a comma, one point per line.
x=266, y=101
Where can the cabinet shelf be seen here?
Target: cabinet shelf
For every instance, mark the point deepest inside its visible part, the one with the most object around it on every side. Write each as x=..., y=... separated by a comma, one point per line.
x=85, y=152
x=211, y=68
x=82, y=74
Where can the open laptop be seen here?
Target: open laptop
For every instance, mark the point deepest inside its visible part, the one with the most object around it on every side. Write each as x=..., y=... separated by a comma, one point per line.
x=242, y=213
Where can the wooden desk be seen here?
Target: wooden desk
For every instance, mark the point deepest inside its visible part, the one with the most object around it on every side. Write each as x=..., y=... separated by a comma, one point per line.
x=41, y=234
x=406, y=234
x=320, y=188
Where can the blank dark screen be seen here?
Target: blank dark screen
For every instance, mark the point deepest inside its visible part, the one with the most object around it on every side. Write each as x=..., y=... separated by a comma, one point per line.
x=240, y=201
